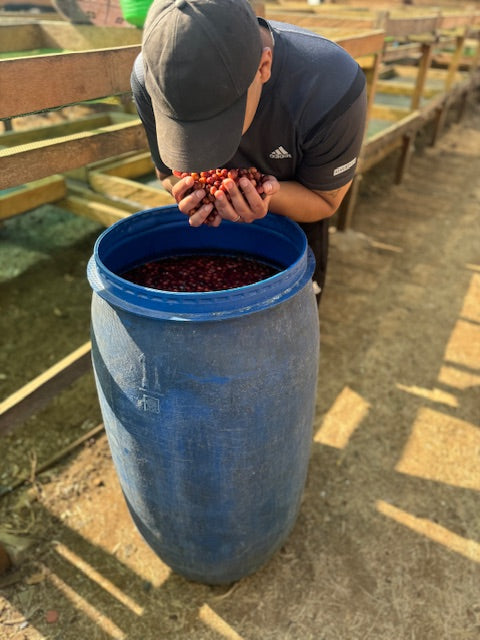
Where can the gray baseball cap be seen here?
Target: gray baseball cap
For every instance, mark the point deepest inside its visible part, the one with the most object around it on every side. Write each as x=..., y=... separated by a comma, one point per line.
x=200, y=57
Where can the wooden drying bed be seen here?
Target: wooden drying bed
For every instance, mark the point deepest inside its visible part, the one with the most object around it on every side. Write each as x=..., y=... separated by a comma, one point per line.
x=90, y=167
x=93, y=167
x=414, y=94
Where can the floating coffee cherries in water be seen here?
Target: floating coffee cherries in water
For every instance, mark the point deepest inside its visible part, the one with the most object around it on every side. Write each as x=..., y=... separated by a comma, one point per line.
x=200, y=273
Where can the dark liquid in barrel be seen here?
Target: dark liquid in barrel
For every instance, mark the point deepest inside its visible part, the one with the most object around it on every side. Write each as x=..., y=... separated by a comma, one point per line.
x=200, y=273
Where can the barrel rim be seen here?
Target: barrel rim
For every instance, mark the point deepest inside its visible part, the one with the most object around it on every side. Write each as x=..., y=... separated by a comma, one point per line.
x=197, y=306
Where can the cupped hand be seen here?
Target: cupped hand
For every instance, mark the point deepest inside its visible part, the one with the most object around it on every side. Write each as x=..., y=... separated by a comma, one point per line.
x=188, y=203
x=247, y=202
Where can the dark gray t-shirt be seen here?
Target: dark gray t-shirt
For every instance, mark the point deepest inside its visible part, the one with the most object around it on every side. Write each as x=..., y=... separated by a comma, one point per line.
x=308, y=126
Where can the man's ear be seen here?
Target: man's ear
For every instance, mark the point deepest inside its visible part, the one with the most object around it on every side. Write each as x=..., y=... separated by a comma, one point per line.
x=265, y=66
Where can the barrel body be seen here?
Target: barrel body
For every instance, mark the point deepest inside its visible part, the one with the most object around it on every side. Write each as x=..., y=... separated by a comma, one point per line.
x=207, y=402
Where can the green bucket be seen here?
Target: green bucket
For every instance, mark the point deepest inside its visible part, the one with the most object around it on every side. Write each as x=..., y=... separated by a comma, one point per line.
x=135, y=11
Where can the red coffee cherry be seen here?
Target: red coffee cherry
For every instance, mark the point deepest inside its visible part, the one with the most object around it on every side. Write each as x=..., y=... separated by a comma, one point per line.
x=200, y=273
x=212, y=181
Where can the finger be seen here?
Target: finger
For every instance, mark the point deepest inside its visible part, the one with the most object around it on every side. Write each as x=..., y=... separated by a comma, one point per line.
x=199, y=217
x=256, y=205
x=213, y=220
x=270, y=186
x=226, y=209
x=192, y=201
x=179, y=189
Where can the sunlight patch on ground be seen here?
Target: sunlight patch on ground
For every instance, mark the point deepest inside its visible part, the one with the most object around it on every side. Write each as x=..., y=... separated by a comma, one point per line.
x=208, y=616
x=471, y=303
x=434, y=395
x=458, y=379
x=345, y=415
x=101, y=517
x=94, y=575
x=101, y=620
x=465, y=547
x=463, y=348
x=444, y=449
x=473, y=267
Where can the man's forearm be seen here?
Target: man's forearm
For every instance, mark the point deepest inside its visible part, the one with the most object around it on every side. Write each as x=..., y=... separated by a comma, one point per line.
x=304, y=205
x=167, y=180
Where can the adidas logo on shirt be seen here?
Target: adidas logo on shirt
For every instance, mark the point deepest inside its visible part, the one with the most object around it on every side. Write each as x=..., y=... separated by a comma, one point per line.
x=280, y=153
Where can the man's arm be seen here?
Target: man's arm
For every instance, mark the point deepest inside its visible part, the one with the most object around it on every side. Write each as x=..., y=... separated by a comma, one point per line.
x=290, y=199
x=301, y=204
x=167, y=179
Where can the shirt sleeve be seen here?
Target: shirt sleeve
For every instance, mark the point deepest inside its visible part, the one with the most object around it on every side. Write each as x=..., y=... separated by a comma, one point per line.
x=331, y=149
x=144, y=108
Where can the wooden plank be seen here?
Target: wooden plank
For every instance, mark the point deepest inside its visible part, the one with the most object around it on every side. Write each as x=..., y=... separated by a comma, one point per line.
x=21, y=37
x=363, y=43
x=81, y=173
x=34, y=3
x=41, y=390
x=78, y=77
x=135, y=166
x=308, y=20
x=455, y=20
x=375, y=155
x=31, y=195
x=385, y=112
x=81, y=37
x=399, y=88
x=15, y=138
x=135, y=192
x=379, y=145
x=101, y=212
x=410, y=26
x=401, y=52
x=82, y=191
x=40, y=159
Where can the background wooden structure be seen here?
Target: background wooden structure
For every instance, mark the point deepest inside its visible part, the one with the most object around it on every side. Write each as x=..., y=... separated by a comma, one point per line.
x=96, y=165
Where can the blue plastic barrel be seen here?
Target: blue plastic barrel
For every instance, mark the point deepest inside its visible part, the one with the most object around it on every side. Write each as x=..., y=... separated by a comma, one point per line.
x=207, y=398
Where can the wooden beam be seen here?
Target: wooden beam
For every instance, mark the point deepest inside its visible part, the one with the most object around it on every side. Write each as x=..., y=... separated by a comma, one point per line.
x=40, y=391
x=135, y=192
x=455, y=61
x=384, y=112
x=40, y=159
x=402, y=51
x=82, y=191
x=385, y=142
x=410, y=26
x=81, y=37
x=31, y=195
x=16, y=138
x=362, y=44
x=134, y=166
x=320, y=21
x=21, y=37
x=404, y=88
x=81, y=76
x=102, y=212
x=420, y=90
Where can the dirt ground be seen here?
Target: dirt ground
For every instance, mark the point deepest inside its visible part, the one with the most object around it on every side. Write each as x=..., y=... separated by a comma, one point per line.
x=387, y=543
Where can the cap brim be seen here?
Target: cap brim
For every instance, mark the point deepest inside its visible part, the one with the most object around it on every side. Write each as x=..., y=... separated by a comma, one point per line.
x=200, y=145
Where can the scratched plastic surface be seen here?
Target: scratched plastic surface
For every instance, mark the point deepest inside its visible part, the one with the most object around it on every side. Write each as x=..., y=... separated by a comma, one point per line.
x=207, y=398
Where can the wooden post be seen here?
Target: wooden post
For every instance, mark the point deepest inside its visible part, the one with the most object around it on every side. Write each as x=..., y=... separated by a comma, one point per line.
x=345, y=212
x=371, y=75
x=421, y=79
x=439, y=121
x=455, y=62
x=405, y=155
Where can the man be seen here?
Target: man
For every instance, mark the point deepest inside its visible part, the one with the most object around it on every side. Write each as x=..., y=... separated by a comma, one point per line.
x=216, y=87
